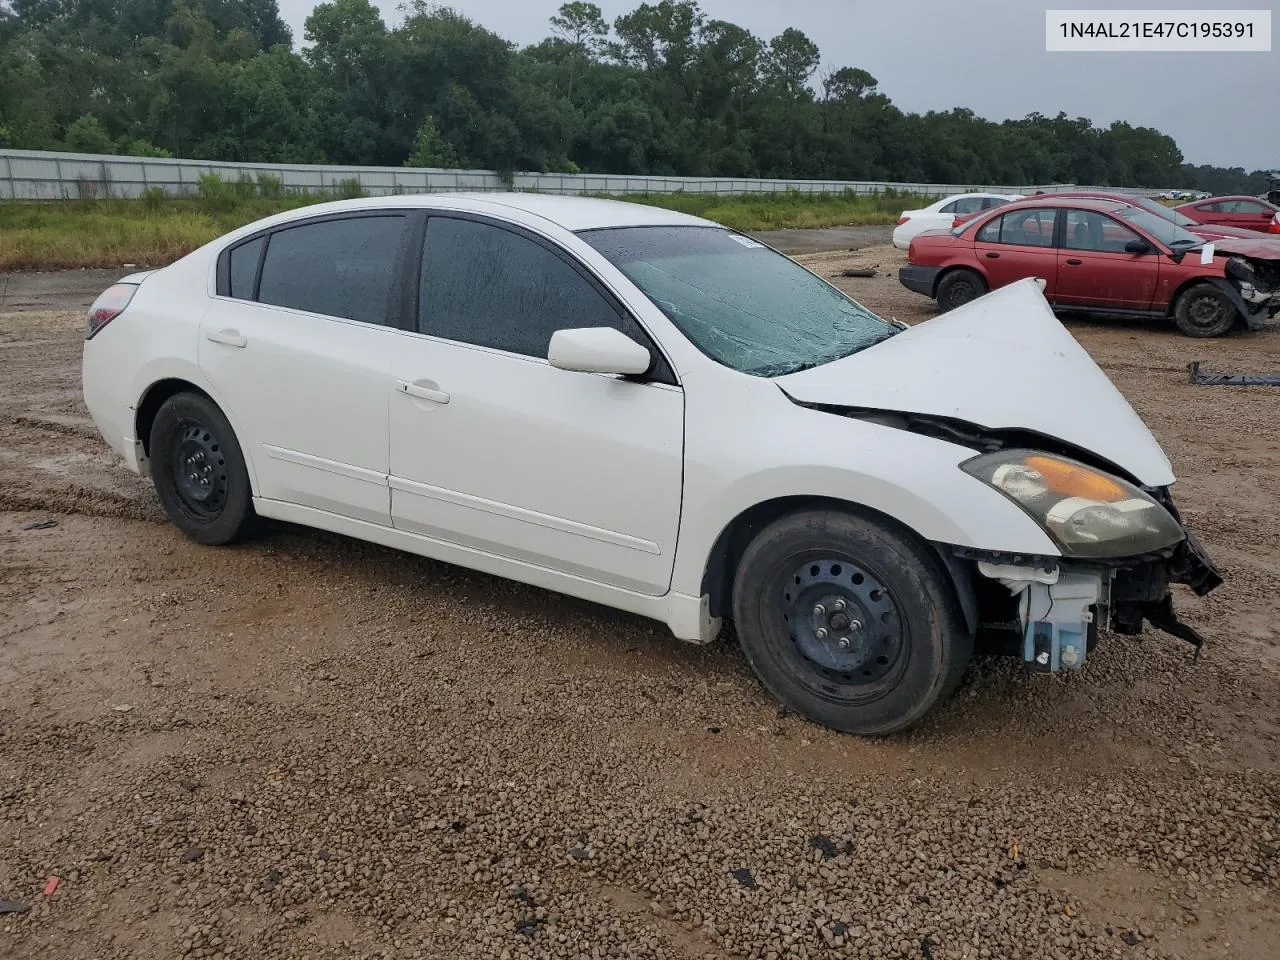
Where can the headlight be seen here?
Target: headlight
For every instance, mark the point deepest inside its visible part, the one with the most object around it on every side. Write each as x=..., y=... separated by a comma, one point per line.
x=1089, y=513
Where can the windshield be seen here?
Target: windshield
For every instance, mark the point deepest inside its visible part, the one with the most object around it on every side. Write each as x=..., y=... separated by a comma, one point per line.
x=741, y=303
x=1160, y=210
x=1166, y=231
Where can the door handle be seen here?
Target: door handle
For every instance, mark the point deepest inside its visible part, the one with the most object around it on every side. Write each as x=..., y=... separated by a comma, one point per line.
x=231, y=338
x=991, y=255
x=422, y=392
x=1074, y=262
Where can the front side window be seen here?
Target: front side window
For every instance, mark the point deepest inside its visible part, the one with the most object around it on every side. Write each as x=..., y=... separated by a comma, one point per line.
x=1090, y=231
x=740, y=303
x=1241, y=206
x=488, y=286
x=340, y=268
x=1166, y=231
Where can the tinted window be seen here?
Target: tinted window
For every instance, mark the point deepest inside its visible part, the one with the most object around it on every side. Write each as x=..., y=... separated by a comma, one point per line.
x=1087, y=230
x=949, y=208
x=989, y=202
x=485, y=285
x=1029, y=228
x=969, y=205
x=341, y=268
x=244, y=268
x=1241, y=206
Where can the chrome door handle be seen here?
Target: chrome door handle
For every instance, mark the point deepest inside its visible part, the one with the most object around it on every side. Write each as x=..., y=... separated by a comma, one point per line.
x=231, y=338
x=422, y=392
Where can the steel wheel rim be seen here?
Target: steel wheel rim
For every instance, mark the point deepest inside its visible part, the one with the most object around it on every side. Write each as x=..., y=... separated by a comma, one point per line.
x=844, y=624
x=962, y=291
x=1204, y=311
x=199, y=469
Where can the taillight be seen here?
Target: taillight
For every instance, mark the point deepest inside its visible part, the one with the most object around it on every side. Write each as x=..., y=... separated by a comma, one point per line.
x=903, y=220
x=109, y=305
x=911, y=252
x=1275, y=225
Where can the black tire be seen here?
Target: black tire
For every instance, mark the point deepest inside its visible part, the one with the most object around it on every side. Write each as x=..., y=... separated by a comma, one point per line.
x=199, y=470
x=910, y=644
x=1205, y=311
x=959, y=287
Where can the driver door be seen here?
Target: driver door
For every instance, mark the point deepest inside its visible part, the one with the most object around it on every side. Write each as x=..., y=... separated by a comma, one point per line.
x=495, y=450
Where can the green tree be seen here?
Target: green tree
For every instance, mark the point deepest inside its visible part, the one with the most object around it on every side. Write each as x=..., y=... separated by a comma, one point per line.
x=430, y=149
x=87, y=135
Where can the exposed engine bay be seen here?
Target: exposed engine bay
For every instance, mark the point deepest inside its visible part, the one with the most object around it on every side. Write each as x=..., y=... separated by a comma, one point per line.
x=1257, y=283
x=1048, y=610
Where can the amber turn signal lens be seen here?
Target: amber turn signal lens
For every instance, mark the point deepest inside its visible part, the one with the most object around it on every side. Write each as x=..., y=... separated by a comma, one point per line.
x=1068, y=480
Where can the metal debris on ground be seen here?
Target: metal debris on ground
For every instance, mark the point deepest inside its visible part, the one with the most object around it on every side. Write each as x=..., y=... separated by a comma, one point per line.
x=859, y=272
x=41, y=525
x=12, y=906
x=744, y=877
x=1209, y=379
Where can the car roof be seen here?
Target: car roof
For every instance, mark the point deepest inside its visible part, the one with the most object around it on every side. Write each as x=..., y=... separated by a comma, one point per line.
x=1054, y=200
x=570, y=212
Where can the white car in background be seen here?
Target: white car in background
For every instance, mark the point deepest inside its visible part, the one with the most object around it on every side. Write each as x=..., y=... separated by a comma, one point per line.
x=942, y=215
x=647, y=410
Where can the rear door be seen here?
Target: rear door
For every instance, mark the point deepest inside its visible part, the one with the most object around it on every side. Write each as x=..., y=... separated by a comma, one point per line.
x=297, y=344
x=1017, y=245
x=1094, y=269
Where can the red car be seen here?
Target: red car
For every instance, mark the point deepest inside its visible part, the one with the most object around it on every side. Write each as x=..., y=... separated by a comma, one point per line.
x=1204, y=231
x=1248, y=212
x=1102, y=257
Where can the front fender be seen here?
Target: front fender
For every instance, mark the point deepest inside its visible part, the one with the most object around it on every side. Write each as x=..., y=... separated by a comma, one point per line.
x=913, y=479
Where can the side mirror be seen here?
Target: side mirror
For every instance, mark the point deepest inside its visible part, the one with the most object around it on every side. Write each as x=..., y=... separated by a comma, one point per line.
x=598, y=350
x=1137, y=246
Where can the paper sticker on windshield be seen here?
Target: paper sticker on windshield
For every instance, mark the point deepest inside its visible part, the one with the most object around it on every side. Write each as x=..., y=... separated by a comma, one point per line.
x=1206, y=253
x=746, y=241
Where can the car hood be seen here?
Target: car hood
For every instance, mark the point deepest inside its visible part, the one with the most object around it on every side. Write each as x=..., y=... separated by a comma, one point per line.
x=1003, y=361
x=1220, y=230
x=1263, y=248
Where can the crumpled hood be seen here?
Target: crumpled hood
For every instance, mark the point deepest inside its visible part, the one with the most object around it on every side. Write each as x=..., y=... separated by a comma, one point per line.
x=1002, y=361
x=1263, y=248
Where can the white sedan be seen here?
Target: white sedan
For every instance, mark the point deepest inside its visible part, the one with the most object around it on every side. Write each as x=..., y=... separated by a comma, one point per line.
x=647, y=410
x=942, y=215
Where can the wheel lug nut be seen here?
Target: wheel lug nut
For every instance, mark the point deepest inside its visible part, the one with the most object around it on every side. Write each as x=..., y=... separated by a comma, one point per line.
x=822, y=633
x=845, y=643
x=819, y=610
x=839, y=604
x=855, y=625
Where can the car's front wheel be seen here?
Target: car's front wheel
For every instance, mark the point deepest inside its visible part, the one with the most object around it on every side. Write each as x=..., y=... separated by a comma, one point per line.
x=1205, y=311
x=850, y=623
x=199, y=470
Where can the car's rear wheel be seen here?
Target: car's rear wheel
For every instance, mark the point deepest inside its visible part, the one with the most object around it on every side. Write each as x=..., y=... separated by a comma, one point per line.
x=849, y=622
x=959, y=287
x=199, y=470
x=1205, y=311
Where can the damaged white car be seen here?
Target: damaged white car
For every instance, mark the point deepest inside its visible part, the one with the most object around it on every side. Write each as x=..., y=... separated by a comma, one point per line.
x=652, y=412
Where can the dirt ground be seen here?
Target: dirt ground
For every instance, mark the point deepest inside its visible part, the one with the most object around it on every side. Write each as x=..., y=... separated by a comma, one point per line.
x=306, y=746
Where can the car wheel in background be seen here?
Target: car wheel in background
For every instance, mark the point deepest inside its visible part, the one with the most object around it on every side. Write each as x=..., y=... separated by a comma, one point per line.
x=959, y=287
x=848, y=622
x=1205, y=311
x=199, y=470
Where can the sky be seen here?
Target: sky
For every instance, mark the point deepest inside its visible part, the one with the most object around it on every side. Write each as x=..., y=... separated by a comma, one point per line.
x=989, y=56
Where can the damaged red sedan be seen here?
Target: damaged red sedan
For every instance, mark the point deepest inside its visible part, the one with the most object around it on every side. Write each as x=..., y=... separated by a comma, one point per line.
x=1104, y=258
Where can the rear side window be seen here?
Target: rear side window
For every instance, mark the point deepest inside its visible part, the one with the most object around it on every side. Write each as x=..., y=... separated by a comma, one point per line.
x=244, y=268
x=339, y=268
x=484, y=285
x=969, y=205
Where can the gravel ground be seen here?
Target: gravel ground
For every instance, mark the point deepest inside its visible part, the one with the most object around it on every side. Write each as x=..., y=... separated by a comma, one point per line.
x=306, y=746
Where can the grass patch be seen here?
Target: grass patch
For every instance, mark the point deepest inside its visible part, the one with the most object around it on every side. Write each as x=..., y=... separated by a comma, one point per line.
x=154, y=230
